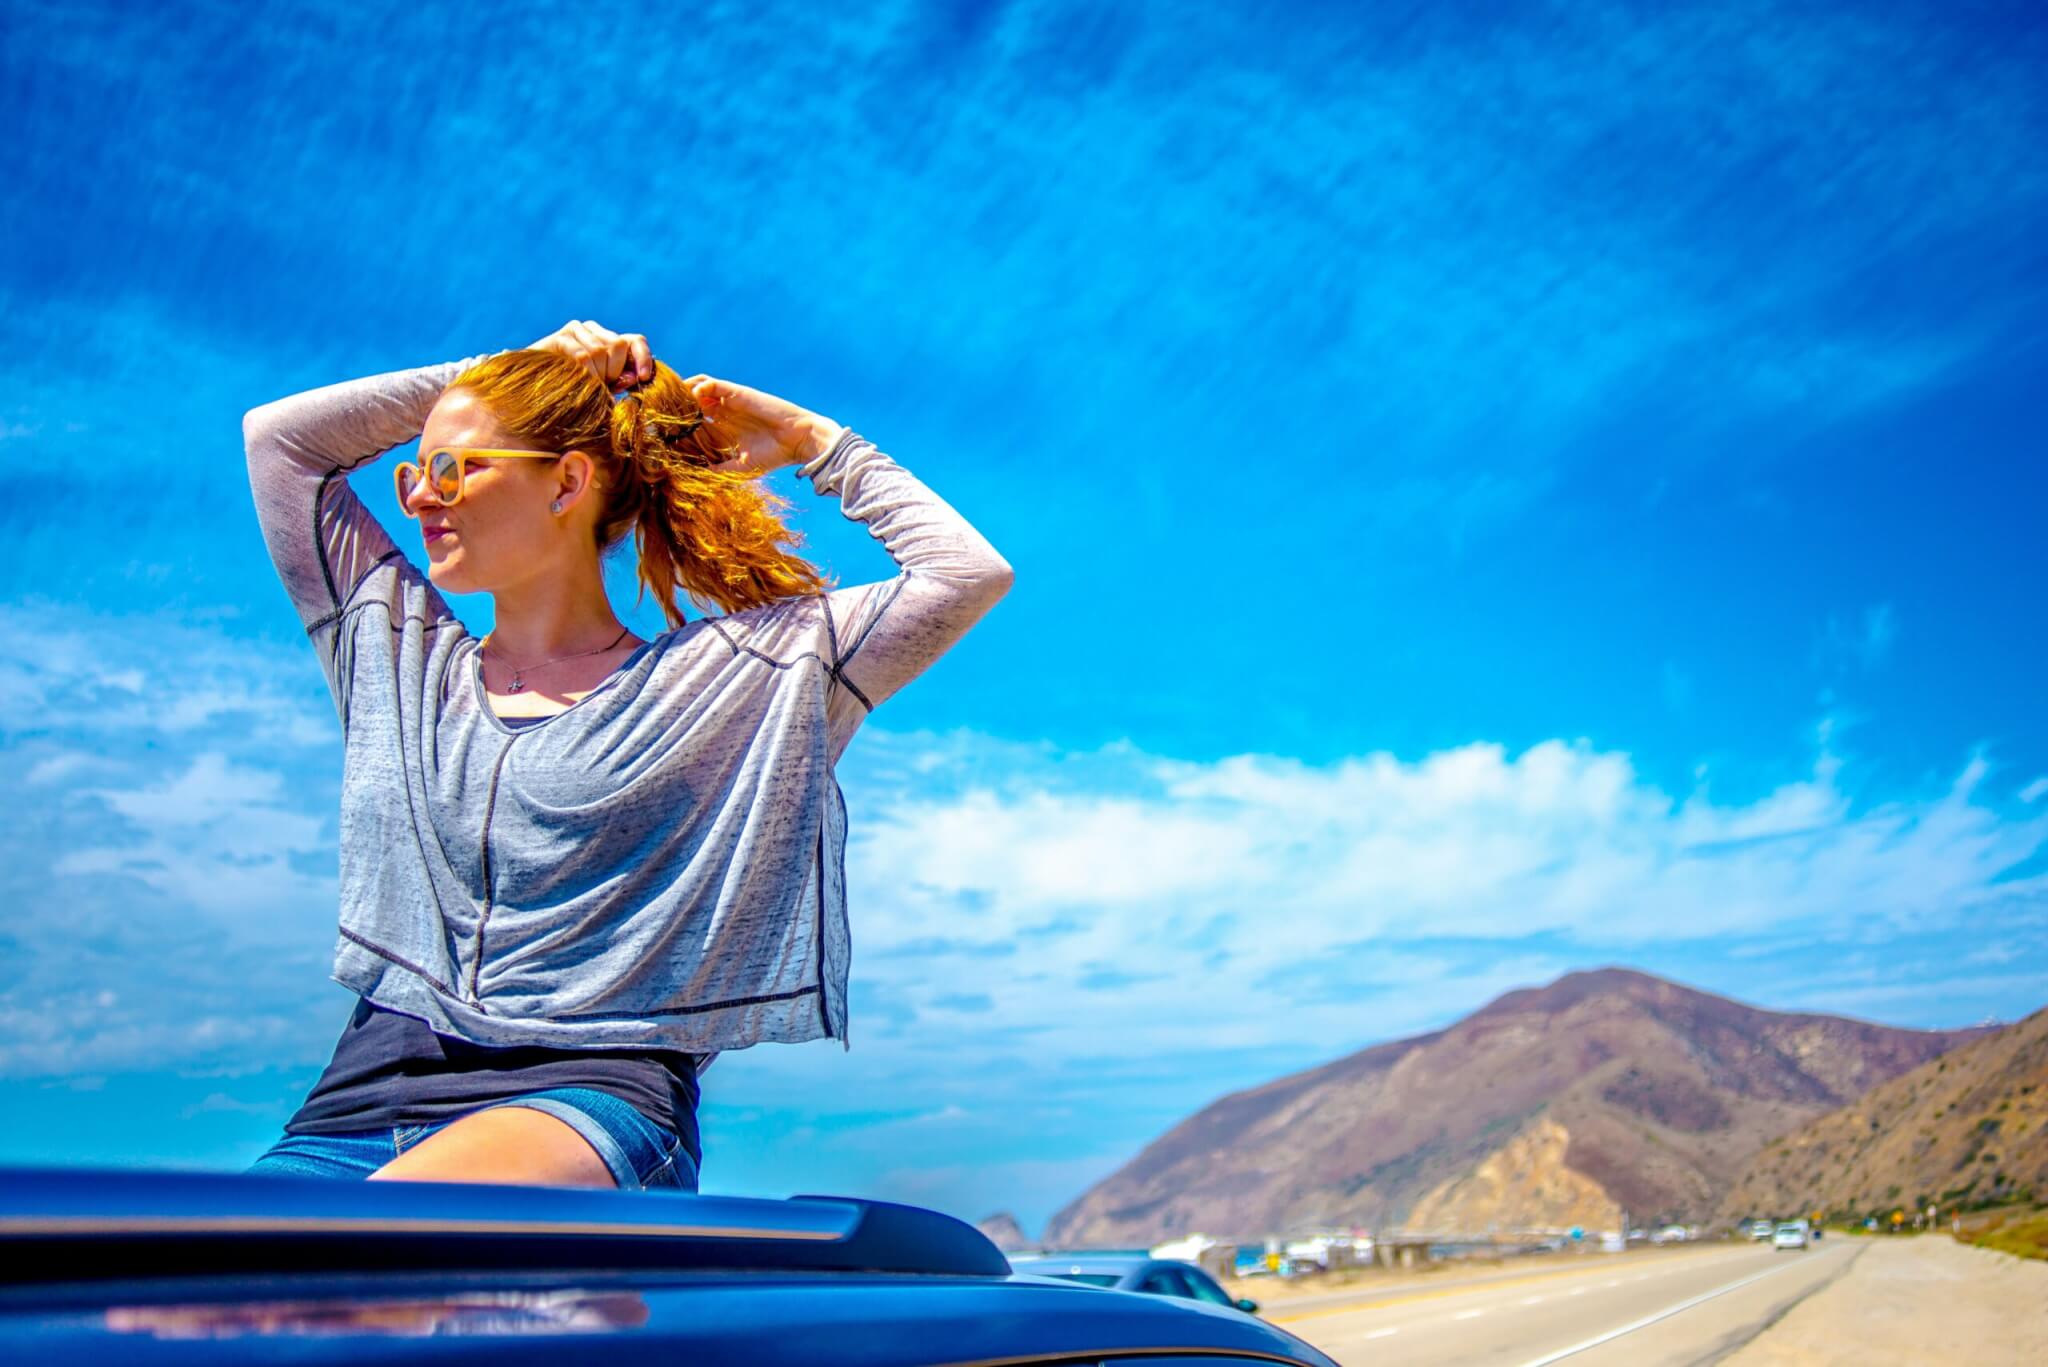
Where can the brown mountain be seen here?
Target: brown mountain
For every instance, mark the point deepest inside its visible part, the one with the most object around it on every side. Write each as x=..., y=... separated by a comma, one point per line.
x=1605, y=1088
x=1970, y=1127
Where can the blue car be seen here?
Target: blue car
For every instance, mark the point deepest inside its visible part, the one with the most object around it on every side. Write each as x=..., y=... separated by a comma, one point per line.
x=1132, y=1272
x=185, y=1267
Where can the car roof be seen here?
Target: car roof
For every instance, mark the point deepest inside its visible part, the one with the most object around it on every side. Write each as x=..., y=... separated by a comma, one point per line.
x=104, y=1264
x=68, y=1224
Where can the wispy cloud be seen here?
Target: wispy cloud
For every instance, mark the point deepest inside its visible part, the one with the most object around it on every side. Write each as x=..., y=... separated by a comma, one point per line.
x=173, y=892
x=1863, y=639
x=1176, y=880
x=1497, y=234
x=1058, y=953
x=168, y=869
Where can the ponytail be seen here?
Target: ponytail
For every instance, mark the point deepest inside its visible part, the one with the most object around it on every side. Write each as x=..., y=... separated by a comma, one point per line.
x=716, y=536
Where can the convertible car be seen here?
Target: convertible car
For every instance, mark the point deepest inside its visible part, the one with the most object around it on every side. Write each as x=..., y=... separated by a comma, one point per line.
x=120, y=1266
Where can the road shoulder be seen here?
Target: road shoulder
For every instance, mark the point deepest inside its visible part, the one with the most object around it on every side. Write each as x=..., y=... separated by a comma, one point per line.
x=1913, y=1301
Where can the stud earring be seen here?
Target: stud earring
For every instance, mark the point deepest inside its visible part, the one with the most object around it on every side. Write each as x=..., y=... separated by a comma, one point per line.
x=556, y=505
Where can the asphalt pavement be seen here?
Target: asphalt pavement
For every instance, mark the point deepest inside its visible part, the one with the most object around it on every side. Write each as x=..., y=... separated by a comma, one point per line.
x=1639, y=1308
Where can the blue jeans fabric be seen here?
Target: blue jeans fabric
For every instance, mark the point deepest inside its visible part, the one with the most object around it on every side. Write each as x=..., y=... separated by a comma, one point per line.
x=640, y=1154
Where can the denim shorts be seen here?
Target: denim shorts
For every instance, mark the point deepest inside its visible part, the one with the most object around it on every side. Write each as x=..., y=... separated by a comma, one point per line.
x=640, y=1154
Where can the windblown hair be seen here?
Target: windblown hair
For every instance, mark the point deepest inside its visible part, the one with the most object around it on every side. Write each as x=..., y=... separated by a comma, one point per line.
x=715, y=535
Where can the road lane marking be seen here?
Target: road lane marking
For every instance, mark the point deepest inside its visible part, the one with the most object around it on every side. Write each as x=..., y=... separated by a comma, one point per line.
x=1360, y=1306
x=1648, y=1320
x=1576, y=1291
x=1382, y=1333
x=1615, y=1282
x=1532, y=1300
x=1468, y=1315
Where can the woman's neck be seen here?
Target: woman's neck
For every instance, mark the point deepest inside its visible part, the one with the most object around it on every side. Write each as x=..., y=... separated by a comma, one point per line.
x=551, y=616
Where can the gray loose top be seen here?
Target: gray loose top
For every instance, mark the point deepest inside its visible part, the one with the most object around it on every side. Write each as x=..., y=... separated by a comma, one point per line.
x=663, y=863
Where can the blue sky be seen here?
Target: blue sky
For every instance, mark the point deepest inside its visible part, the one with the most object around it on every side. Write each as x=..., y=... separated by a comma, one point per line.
x=1494, y=490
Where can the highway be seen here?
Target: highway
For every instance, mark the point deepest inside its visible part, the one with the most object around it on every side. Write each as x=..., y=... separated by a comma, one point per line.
x=1637, y=1308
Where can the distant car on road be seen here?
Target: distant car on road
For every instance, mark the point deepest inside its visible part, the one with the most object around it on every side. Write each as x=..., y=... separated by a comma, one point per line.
x=1760, y=1229
x=1790, y=1235
x=1132, y=1272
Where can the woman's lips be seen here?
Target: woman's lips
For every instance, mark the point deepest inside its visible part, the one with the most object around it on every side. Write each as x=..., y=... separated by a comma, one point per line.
x=434, y=534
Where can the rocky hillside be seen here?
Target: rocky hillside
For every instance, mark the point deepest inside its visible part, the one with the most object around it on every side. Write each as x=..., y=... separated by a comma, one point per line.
x=1528, y=1173
x=1604, y=1089
x=1004, y=1232
x=1970, y=1127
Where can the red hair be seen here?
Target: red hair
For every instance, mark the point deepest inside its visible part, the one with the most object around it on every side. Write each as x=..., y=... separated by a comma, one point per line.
x=716, y=536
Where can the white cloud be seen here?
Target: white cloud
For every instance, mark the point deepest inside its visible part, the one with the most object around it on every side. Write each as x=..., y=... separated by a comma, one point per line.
x=167, y=874
x=70, y=669
x=1043, y=938
x=1185, y=883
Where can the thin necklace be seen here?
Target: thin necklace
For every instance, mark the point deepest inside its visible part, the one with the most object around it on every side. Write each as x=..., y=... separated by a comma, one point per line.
x=518, y=685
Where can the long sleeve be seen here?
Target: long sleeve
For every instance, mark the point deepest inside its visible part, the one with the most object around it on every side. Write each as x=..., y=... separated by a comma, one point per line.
x=885, y=634
x=300, y=451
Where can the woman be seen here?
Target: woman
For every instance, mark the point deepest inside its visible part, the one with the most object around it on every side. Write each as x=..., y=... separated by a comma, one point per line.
x=574, y=863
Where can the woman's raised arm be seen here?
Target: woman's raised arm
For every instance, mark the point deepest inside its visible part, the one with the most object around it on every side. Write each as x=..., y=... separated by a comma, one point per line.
x=300, y=450
x=888, y=633
x=885, y=634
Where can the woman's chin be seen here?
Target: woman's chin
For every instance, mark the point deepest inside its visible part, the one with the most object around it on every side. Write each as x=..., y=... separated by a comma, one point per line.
x=446, y=573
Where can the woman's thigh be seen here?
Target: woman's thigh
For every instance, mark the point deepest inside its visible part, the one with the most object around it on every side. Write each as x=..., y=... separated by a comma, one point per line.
x=501, y=1144
x=565, y=1136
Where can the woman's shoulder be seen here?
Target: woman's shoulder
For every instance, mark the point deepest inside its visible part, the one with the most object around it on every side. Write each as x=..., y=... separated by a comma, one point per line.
x=784, y=629
x=802, y=611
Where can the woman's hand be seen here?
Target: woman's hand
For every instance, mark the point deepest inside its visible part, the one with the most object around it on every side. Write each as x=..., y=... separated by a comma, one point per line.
x=767, y=432
x=617, y=359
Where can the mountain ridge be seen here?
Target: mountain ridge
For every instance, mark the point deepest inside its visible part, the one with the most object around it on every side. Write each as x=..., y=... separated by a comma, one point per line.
x=1653, y=1092
x=1967, y=1128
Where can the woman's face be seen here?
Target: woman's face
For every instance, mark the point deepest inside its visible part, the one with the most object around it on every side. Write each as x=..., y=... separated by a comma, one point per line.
x=501, y=531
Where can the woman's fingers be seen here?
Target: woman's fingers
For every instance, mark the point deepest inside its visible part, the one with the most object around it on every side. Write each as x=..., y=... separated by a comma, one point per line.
x=709, y=395
x=588, y=347
x=615, y=358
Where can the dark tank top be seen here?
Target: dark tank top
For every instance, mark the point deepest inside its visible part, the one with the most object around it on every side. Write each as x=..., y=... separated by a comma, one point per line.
x=389, y=1069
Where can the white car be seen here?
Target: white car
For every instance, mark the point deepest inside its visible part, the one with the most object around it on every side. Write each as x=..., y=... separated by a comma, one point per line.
x=1760, y=1230
x=1789, y=1236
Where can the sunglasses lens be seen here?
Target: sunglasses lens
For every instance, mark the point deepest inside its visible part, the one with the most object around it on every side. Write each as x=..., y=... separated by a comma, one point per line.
x=446, y=474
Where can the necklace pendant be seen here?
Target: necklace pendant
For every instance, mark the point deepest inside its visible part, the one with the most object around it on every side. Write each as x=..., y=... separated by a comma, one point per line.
x=515, y=686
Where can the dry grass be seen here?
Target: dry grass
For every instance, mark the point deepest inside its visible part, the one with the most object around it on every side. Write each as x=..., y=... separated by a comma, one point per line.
x=2023, y=1234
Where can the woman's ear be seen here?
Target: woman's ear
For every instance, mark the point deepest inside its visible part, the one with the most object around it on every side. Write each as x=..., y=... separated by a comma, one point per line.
x=574, y=473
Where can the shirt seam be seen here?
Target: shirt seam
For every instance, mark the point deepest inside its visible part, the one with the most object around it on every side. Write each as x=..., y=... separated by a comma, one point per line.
x=400, y=960
x=830, y=669
x=824, y=998
x=697, y=1010
x=476, y=967
x=895, y=590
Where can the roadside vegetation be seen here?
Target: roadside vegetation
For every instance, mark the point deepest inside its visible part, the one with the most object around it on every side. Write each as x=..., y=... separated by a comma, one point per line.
x=2022, y=1233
